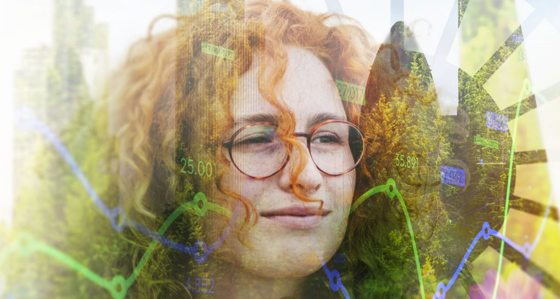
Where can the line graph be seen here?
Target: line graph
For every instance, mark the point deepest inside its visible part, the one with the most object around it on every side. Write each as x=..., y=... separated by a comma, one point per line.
x=391, y=190
x=118, y=285
x=486, y=231
x=25, y=119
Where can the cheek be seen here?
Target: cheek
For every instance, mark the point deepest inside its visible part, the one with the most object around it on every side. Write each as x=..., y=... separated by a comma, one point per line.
x=341, y=189
x=233, y=185
x=348, y=186
x=235, y=182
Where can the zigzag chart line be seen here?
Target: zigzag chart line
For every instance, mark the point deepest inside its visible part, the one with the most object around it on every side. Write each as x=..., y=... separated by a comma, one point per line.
x=27, y=120
x=118, y=285
x=486, y=231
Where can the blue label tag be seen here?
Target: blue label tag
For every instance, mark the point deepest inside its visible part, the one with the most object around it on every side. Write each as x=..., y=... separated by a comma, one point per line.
x=496, y=121
x=453, y=176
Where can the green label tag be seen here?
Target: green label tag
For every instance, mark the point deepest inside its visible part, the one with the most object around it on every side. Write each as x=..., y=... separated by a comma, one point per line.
x=217, y=51
x=351, y=93
x=486, y=142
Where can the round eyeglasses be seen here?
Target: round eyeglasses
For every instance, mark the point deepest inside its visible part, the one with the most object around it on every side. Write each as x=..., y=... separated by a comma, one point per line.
x=336, y=147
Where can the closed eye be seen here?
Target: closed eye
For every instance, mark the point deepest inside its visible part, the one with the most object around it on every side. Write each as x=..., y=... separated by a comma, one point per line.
x=260, y=139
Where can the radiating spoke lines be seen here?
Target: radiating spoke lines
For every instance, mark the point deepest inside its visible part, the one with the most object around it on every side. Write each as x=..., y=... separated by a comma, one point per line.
x=486, y=231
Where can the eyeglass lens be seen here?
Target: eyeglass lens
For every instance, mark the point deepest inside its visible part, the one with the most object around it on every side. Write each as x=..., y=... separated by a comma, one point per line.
x=259, y=152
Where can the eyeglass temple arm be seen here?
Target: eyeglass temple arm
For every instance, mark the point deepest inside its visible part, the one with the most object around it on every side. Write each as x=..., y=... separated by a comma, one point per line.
x=227, y=144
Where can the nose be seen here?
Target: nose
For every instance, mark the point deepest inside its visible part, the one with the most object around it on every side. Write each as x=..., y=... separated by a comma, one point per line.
x=309, y=179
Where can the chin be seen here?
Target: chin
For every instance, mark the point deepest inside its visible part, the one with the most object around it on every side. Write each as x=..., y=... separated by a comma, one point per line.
x=286, y=268
x=289, y=260
x=275, y=252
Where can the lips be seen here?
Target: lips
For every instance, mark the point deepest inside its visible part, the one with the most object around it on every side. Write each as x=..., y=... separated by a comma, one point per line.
x=296, y=217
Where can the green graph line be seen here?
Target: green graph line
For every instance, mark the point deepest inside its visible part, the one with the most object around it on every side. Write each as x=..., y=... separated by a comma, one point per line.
x=390, y=188
x=368, y=194
x=527, y=88
x=409, y=224
x=118, y=286
x=26, y=244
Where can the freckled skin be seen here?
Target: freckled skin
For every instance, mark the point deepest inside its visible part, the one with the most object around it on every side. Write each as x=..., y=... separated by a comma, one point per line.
x=277, y=259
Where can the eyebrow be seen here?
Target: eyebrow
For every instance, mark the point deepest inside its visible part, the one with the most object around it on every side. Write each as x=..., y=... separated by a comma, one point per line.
x=273, y=119
x=257, y=118
x=321, y=117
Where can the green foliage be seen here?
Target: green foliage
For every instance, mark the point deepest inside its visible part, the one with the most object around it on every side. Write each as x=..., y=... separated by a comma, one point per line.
x=61, y=214
x=402, y=116
x=379, y=242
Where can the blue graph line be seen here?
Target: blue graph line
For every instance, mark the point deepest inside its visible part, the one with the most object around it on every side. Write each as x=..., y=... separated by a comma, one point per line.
x=486, y=232
x=334, y=280
x=527, y=249
x=26, y=120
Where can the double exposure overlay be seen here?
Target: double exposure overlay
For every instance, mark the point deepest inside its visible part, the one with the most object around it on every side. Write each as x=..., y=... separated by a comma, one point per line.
x=280, y=149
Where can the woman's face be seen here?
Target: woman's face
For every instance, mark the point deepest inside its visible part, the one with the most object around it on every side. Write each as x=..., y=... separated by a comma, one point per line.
x=283, y=243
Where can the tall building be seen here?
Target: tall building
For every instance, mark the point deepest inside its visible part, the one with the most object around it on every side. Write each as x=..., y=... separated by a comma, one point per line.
x=30, y=85
x=54, y=81
x=30, y=90
x=80, y=59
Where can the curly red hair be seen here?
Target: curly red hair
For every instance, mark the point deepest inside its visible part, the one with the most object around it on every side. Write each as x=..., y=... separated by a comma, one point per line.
x=170, y=99
x=167, y=87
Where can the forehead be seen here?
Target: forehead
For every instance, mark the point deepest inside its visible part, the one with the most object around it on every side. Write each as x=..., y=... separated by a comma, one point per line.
x=308, y=89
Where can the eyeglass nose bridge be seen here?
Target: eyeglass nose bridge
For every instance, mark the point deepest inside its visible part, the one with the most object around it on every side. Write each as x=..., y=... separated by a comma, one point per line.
x=308, y=145
x=307, y=137
x=303, y=134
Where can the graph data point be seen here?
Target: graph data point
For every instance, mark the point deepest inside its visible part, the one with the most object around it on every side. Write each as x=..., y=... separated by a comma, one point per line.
x=119, y=288
x=440, y=292
x=200, y=210
x=198, y=256
x=486, y=230
x=391, y=188
x=334, y=280
x=527, y=250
